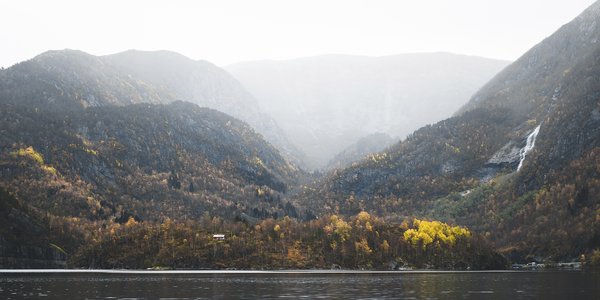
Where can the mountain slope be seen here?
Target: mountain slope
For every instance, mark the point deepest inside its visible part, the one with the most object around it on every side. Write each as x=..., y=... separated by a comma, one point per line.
x=143, y=160
x=326, y=103
x=205, y=84
x=519, y=162
x=70, y=79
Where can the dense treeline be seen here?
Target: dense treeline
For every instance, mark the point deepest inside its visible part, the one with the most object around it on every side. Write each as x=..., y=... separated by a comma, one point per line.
x=33, y=238
x=358, y=242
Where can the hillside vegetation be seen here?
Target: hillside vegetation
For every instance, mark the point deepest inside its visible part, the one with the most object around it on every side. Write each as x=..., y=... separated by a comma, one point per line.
x=465, y=169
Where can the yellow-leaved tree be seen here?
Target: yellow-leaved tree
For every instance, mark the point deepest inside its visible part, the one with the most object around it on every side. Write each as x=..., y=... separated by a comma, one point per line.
x=425, y=233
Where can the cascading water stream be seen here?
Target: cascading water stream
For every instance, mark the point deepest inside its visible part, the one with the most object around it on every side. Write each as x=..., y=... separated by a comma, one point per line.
x=529, y=146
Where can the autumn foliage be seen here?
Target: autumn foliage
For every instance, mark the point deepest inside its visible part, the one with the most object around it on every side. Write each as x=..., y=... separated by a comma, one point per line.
x=359, y=242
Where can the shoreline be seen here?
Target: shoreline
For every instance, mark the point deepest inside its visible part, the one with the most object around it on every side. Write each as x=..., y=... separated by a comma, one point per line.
x=233, y=272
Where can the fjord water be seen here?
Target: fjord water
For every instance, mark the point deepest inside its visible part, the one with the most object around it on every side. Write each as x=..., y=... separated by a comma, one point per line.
x=310, y=285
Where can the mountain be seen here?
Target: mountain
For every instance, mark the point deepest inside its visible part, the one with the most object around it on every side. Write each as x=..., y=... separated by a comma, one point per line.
x=367, y=145
x=207, y=85
x=519, y=162
x=70, y=79
x=98, y=171
x=87, y=147
x=326, y=103
x=142, y=160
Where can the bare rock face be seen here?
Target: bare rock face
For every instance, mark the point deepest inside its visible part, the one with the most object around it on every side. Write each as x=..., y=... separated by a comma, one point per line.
x=507, y=155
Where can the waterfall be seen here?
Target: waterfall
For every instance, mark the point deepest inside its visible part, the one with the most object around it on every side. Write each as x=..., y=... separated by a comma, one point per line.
x=530, y=143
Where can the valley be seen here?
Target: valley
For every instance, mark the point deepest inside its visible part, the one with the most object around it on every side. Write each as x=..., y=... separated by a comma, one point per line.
x=149, y=159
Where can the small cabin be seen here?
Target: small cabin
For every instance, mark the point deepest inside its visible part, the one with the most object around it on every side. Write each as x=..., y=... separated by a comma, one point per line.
x=219, y=237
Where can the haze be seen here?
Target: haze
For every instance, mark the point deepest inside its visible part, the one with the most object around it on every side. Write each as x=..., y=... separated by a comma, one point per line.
x=226, y=32
x=325, y=104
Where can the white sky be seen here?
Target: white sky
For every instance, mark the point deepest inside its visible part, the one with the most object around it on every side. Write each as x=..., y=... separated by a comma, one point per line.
x=228, y=31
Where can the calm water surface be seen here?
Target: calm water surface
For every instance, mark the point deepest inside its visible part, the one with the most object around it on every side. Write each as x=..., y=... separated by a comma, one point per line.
x=310, y=285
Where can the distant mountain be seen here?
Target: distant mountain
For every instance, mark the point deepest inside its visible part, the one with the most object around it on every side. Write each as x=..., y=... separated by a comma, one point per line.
x=367, y=145
x=143, y=160
x=207, y=85
x=70, y=79
x=520, y=162
x=326, y=103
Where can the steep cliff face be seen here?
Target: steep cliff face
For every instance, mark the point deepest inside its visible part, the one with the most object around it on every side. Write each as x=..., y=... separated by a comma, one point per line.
x=554, y=87
x=519, y=161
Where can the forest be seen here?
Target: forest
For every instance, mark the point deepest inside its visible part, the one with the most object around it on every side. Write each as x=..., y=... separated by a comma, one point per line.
x=358, y=242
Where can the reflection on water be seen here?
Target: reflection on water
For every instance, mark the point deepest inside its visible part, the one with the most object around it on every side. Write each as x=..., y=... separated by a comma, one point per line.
x=360, y=285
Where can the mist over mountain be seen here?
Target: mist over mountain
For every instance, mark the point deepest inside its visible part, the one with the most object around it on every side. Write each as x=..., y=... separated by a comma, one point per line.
x=71, y=79
x=326, y=103
x=97, y=148
x=362, y=148
x=207, y=85
x=112, y=128
x=154, y=160
x=519, y=162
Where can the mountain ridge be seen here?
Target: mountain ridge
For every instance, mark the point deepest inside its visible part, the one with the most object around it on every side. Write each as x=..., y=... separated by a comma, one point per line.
x=470, y=168
x=73, y=79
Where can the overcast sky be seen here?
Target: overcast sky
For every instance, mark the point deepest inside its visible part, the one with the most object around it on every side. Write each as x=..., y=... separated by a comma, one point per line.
x=228, y=31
